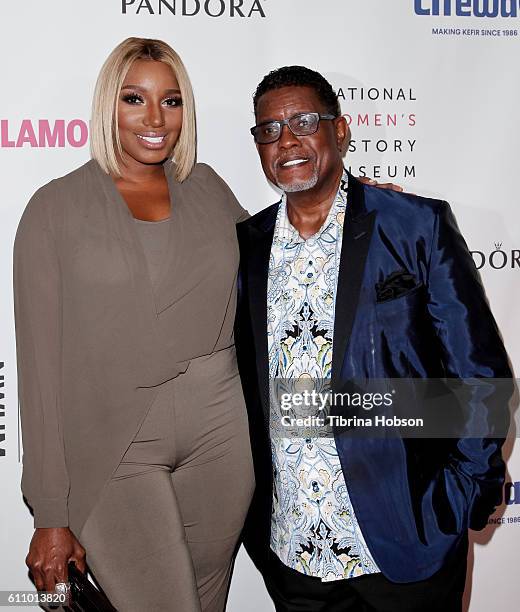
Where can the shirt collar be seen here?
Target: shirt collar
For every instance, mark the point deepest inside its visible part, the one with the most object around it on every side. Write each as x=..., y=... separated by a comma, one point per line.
x=287, y=234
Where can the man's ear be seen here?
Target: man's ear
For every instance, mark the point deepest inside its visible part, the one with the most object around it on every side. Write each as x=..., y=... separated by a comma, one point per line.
x=342, y=134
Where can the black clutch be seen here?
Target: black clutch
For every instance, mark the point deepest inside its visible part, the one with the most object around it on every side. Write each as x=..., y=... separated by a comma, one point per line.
x=84, y=596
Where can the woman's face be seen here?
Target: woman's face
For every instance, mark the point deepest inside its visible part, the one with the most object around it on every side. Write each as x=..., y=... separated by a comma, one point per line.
x=149, y=113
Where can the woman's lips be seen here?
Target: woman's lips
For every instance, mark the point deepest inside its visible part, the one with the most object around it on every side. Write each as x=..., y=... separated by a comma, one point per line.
x=152, y=141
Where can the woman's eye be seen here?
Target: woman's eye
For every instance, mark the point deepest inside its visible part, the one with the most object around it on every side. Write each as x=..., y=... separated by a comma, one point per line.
x=132, y=98
x=173, y=102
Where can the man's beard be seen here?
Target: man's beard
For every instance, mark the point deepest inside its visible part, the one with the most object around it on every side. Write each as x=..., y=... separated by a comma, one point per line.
x=299, y=185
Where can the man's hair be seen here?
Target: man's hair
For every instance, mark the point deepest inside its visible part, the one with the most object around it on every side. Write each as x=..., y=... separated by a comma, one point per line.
x=299, y=76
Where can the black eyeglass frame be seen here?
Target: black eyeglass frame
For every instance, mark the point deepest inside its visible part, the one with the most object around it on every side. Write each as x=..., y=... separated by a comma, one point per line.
x=282, y=122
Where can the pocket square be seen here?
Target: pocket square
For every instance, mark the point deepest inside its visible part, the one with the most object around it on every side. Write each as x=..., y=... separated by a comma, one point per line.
x=395, y=285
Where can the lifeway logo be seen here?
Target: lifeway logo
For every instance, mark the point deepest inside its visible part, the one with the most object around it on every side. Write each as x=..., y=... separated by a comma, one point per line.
x=511, y=497
x=512, y=493
x=468, y=8
x=192, y=8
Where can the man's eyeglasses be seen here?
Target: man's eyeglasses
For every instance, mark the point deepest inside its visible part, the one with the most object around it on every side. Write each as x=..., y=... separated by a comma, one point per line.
x=303, y=124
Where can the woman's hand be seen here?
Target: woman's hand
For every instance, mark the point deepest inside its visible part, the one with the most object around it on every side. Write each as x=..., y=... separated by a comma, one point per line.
x=50, y=551
x=370, y=181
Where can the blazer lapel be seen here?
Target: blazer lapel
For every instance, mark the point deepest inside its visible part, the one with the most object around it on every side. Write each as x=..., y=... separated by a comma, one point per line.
x=357, y=232
x=259, y=250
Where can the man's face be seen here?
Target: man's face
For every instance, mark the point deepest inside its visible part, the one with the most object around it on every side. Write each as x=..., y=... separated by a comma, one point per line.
x=300, y=163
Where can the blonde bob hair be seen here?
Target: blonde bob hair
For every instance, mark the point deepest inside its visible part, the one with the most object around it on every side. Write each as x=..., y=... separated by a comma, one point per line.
x=105, y=145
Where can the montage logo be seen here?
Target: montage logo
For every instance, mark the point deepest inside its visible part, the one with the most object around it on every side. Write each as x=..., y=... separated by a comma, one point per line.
x=498, y=259
x=468, y=8
x=191, y=8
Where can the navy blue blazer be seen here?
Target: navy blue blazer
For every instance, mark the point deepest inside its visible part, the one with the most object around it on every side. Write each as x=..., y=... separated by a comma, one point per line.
x=414, y=498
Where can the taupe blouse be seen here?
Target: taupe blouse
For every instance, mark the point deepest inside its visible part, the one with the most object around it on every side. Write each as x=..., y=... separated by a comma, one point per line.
x=93, y=338
x=154, y=237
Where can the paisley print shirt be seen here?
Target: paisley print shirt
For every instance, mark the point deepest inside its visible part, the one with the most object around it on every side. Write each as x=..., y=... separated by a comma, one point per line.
x=313, y=526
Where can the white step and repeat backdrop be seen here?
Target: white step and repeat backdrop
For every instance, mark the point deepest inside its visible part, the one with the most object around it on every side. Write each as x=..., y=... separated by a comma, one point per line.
x=429, y=87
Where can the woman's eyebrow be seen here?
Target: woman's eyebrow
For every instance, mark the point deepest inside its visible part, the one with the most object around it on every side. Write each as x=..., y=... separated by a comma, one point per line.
x=139, y=88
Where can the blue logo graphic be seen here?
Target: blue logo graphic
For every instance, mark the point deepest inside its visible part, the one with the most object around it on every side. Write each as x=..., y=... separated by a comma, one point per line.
x=468, y=8
x=512, y=493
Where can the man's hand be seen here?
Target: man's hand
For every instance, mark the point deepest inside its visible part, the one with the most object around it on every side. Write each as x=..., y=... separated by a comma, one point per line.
x=50, y=551
x=370, y=181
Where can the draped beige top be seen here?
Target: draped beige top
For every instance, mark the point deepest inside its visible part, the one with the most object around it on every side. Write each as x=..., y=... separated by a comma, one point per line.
x=93, y=338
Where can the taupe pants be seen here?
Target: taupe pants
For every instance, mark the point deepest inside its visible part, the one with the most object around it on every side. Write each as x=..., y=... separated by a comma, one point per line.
x=164, y=532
